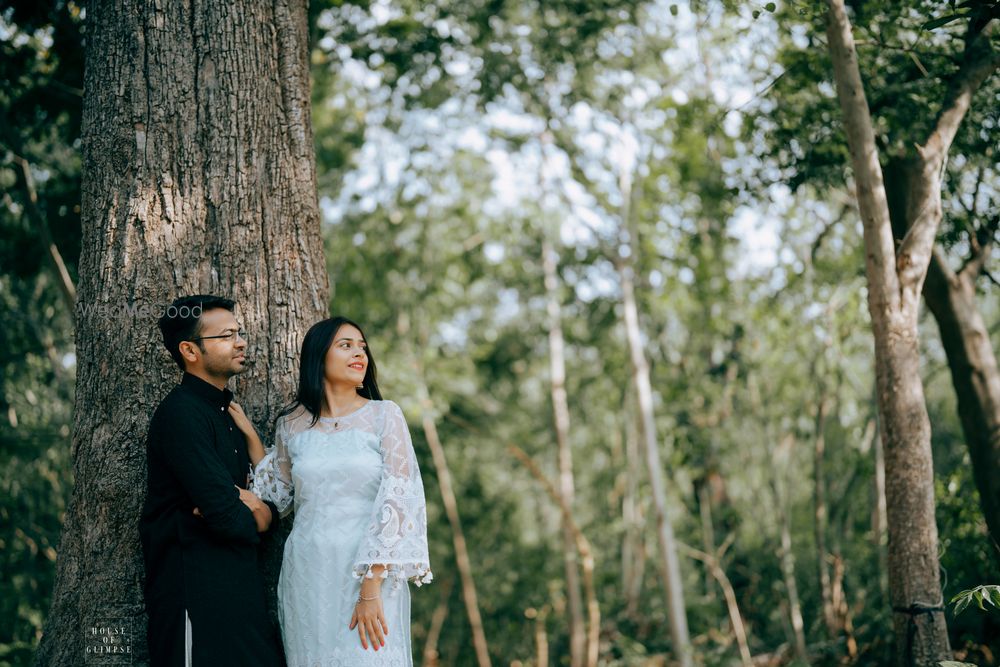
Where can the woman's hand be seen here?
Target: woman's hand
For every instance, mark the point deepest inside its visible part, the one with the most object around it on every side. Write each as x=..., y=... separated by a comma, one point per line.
x=255, y=448
x=370, y=621
x=240, y=419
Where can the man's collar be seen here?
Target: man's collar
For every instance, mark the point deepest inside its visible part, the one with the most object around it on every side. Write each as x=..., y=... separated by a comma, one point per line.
x=218, y=398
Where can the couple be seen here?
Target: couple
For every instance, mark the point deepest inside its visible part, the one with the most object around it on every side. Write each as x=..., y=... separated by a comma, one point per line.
x=342, y=458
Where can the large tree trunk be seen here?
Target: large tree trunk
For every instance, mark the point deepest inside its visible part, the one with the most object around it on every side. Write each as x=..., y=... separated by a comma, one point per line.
x=951, y=297
x=560, y=419
x=198, y=176
x=895, y=279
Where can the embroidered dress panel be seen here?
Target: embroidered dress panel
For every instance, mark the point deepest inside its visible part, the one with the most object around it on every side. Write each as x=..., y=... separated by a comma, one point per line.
x=355, y=488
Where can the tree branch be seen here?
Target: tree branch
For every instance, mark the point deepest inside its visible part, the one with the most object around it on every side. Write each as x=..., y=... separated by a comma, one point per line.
x=872, y=202
x=65, y=282
x=924, y=214
x=982, y=246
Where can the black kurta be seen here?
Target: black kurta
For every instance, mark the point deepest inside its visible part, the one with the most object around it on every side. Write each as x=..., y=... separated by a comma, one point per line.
x=204, y=567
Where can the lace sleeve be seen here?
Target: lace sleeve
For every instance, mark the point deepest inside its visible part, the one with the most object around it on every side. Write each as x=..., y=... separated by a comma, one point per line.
x=397, y=533
x=272, y=478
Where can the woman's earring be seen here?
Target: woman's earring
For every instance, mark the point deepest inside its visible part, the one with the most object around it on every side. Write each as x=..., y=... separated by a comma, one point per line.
x=360, y=386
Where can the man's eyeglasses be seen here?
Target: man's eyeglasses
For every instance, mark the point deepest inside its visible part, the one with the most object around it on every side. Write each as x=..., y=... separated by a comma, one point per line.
x=232, y=334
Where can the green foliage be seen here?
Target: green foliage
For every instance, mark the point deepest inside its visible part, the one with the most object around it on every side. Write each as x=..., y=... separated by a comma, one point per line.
x=980, y=594
x=42, y=68
x=910, y=54
x=452, y=139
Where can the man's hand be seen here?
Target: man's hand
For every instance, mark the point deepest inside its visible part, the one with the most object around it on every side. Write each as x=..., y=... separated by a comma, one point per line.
x=261, y=512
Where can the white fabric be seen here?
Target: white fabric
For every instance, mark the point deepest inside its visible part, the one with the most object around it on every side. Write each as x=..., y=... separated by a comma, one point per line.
x=358, y=500
x=188, y=643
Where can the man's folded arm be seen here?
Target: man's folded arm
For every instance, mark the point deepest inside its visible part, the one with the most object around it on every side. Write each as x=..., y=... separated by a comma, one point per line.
x=275, y=520
x=189, y=453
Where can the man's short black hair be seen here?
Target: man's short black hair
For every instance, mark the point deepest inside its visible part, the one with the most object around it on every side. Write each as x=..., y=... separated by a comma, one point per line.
x=182, y=320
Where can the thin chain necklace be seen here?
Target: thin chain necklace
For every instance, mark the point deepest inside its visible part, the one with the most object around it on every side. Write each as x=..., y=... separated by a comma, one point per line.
x=354, y=407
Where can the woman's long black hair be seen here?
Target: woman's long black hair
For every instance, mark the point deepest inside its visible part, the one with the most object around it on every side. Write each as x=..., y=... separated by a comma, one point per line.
x=312, y=361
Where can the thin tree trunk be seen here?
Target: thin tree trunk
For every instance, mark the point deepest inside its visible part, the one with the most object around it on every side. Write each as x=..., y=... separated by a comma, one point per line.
x=41, y=223
x=820, y=516
x=582, y=545
x=665, y=533
x=198, y=177
x=707, y=534
x=437, y=624
x=841, y=610
x=880, y=531
x=629, y=539
x=787, y=559
x=561, y=422
x=541, y=640
x=713, y=562
x=462, y=560
x=634, y=565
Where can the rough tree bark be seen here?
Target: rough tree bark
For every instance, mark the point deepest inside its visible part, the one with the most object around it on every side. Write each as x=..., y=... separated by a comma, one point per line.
x=895, y=281
x=198, y=176
x=951, y=297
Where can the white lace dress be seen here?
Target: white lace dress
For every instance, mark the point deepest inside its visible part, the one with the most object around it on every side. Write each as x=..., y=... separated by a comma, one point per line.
x=358, y=502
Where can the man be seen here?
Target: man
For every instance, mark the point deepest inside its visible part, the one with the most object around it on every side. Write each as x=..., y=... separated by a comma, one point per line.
x=200, y=526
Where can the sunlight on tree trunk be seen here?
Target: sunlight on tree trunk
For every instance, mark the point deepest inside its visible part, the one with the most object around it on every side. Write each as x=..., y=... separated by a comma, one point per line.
x=560, y=410
x=672, y=581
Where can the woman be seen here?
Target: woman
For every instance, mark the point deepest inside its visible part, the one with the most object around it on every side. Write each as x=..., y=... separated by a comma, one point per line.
x=344, y=458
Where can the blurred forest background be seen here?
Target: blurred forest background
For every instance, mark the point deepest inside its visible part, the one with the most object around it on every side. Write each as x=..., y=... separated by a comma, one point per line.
x=503, y=182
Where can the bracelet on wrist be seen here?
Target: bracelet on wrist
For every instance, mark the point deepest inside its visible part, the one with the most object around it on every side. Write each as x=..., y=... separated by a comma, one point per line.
x=362, y=598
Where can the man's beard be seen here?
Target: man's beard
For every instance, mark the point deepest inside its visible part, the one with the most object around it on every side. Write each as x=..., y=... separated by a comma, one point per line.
x=227, y=368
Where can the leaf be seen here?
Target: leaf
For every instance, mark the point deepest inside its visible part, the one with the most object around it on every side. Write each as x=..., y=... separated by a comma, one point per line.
x=962, y=604
x=755, y=13
x=978, y=594
x=770, y=7
x=942, y=20
x=995, y=595
x=673, y=10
